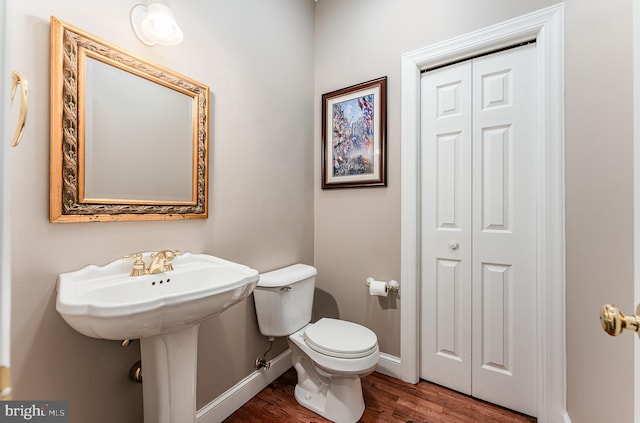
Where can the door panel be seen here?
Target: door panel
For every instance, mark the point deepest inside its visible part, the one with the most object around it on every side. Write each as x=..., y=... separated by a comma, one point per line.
x=447, y=281
x=446, y=231
x=496, y=314
x=496, y=178
x=504, y=229
x=448, y=146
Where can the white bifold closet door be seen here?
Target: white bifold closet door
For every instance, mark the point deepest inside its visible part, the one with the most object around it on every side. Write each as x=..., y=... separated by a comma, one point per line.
x=478, y=296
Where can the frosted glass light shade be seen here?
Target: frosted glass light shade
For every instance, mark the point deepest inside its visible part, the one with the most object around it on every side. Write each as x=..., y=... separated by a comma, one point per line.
x=155, y=24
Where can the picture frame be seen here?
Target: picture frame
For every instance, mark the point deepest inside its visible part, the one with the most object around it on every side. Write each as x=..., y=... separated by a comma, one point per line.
x=354, y=136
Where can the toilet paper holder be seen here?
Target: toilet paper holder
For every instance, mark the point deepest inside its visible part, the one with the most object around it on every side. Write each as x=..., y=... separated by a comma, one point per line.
x=392, y=285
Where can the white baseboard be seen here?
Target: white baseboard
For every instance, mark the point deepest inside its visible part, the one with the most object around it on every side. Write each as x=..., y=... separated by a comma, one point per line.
x=223, y=406
x=389, y=365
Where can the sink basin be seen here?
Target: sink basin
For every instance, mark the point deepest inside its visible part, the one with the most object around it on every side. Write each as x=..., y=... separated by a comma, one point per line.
x=164, y=311
x=105, y=302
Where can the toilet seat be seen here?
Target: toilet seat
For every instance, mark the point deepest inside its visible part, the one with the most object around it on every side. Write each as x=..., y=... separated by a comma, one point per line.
x=334, y=365
x=340, y=339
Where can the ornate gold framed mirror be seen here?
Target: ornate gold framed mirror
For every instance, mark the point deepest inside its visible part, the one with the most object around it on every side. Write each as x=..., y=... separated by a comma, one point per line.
x=129, y=138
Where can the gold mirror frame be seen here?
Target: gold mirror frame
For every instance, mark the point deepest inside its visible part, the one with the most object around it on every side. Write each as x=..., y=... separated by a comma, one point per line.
x=69, y=47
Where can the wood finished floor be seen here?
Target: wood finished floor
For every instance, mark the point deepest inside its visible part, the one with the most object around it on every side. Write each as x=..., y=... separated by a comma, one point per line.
x=387, y=400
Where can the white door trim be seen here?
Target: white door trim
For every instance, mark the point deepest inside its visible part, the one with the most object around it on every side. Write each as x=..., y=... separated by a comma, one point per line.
x=636, y=200
x=5, y=285
x=547, y=27
x=5, y=244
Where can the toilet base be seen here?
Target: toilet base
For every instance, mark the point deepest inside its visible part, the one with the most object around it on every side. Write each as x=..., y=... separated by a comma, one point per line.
x=336, y=397
x=342, y=403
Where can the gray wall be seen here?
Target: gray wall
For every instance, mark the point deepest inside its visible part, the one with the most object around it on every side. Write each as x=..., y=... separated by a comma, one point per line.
x=257, y=58
x=599, y=206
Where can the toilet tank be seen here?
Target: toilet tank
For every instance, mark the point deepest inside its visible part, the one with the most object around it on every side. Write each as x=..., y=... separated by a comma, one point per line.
x=284, y=299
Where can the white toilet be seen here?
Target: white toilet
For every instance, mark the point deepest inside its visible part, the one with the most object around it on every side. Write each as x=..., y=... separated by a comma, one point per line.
x=330, y=355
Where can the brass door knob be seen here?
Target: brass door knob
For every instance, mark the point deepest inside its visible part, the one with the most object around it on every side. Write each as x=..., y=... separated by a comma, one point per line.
x=614, y=322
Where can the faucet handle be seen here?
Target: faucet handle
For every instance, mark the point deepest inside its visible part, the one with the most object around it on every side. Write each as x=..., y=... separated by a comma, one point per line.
x=169, y=255
x=139, y=268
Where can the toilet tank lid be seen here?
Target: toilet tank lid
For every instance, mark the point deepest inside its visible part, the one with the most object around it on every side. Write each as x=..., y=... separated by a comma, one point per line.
x=286, y=276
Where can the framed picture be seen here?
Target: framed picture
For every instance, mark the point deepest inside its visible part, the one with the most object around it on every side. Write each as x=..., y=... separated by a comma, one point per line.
x=354, y=131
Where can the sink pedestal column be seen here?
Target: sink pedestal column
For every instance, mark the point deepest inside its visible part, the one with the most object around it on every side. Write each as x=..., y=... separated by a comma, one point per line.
x=169, y=376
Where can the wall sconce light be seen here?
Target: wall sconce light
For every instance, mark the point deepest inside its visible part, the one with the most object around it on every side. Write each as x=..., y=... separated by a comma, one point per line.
x=155, y=24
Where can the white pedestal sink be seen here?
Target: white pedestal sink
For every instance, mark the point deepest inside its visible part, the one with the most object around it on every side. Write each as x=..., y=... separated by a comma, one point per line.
x=164, y=311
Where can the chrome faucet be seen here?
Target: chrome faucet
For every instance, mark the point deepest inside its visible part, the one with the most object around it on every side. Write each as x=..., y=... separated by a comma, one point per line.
x=161, y=261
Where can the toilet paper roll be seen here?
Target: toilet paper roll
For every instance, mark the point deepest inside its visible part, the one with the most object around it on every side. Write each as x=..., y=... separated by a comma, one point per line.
x=378, y=288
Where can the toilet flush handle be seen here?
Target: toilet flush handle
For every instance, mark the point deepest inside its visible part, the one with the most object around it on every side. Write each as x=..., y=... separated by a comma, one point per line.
x=285, y=289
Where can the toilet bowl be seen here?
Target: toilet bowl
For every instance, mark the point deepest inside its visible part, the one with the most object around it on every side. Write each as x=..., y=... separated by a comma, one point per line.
x=330, y=356
x=330, y=368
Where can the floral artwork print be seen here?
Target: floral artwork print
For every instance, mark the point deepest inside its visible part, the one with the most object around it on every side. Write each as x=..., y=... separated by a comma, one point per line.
x=352, y=141
x=354, y=136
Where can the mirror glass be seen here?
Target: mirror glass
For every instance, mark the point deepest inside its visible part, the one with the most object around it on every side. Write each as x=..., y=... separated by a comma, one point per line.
x=129, y=138
x=120, y=165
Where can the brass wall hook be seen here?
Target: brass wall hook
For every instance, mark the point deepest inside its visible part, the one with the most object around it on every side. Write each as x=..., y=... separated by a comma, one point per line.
x=18, y=79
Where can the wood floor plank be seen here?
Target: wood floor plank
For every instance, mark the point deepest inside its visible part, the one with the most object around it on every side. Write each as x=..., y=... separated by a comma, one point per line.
x=387, y=400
